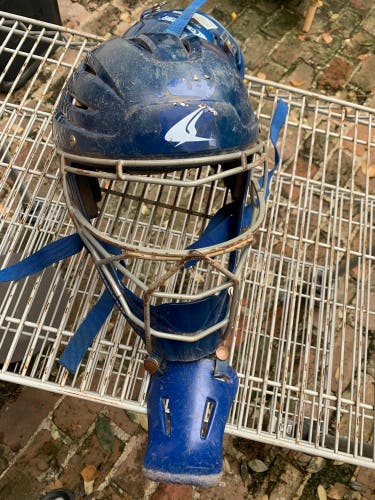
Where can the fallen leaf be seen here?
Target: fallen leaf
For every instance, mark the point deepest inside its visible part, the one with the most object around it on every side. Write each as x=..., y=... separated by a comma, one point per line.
x=368, y=169
x=89, y=473
x=125, y=17
x=297, y=83
x=302, y=37
x=244, y=471
x=322, y=494
x=55, y=485
x=257, y=465
x=145, y=210
x=356, y=485
x=104, y=433
x=334, y=17
x=234, y=16
x=337, y=491
x=316, y=464
x=226, y=466
x=327, y=38
x=261, y=75
x=362, y=57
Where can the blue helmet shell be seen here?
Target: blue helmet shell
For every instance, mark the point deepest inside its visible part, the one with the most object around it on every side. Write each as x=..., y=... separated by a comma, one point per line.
x=201, y=24
x=154, y=95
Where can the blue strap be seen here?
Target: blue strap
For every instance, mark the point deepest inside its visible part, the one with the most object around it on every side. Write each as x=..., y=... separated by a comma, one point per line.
x=178, y=26
x=221, y=226
x=50, y=254
x=58, y=250
x=84, y=336
x=277, y=124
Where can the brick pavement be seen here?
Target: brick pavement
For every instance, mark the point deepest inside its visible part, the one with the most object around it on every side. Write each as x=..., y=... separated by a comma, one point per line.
x=46, y=440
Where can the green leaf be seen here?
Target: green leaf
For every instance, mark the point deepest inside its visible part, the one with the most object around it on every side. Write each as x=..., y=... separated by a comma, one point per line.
x=104, y=433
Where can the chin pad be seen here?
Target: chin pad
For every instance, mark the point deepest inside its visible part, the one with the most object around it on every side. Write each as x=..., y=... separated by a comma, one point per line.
x=187, y=411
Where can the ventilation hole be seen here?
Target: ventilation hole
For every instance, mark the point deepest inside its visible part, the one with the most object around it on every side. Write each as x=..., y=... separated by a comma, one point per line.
x=186, y=44
x=207, y=417
x=89, y=69
x=216, y=40
x=142, y=44
x=167, y=416
x=78, y=104
x=226, y=49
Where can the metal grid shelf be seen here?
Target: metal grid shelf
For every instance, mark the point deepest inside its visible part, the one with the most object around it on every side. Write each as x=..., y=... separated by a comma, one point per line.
x=304, y=340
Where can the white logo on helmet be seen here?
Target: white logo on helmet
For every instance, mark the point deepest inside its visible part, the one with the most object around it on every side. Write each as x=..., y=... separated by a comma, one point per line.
x=185, y=130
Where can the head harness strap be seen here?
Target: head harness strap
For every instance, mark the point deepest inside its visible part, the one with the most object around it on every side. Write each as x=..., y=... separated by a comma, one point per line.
x=178, y=26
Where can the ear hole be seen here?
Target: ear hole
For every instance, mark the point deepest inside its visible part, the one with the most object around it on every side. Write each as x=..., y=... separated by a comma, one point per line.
x=207, y=417
x=167, y=416
x=89, y=190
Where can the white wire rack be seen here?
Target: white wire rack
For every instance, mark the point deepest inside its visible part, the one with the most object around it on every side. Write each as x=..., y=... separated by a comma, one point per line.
x=304, y=340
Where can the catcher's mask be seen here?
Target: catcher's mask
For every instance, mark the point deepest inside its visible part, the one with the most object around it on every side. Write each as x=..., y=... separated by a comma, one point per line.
x=158, y=145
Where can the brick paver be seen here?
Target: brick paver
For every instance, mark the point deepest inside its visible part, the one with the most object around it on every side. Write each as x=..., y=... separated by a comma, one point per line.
x=75, y=417
x=22, y=417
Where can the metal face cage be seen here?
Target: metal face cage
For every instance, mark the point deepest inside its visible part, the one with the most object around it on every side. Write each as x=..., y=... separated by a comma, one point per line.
x=146, y=228
x=303, y=336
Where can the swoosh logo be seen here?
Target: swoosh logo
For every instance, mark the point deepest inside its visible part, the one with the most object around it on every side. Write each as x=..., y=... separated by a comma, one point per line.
x=185, y=130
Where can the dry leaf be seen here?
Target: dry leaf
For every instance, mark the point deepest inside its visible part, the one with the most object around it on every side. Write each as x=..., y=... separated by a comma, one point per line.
x=297, y=83
x=261, y=75
x=334, y=17
x=125, y=17
x=89, y=473
x=327, y=38
x=322, y=494
x=257, y=465
x=145, y=210
x=55, y=485
x=361, y=57
x=301, y=37
x=234, y=16
x=368, y=169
